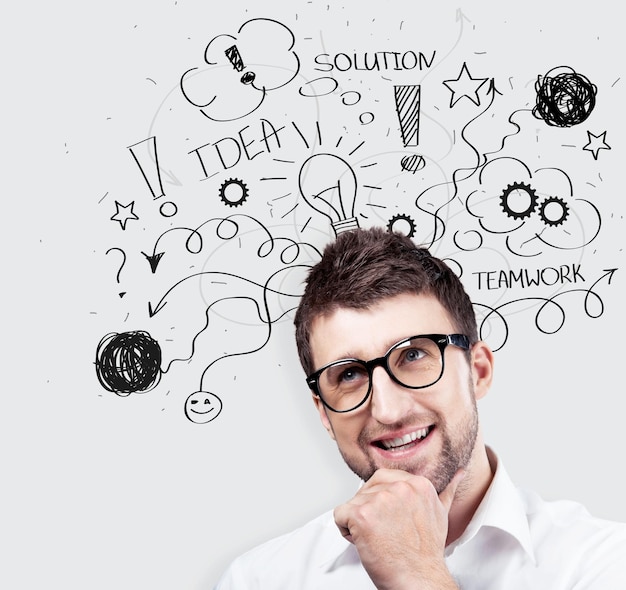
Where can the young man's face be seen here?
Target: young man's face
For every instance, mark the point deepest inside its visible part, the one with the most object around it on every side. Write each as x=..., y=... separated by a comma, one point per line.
x=444, y=412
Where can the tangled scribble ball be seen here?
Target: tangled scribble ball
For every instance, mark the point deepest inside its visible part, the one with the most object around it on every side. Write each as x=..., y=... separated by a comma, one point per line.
x=128, y=362
x=565, y=98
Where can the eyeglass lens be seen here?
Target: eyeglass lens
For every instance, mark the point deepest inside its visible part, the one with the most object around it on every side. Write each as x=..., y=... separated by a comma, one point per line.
x=414, y=363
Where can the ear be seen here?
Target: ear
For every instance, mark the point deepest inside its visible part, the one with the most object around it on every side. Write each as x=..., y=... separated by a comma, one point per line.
x=321, y=408
x=482, y=368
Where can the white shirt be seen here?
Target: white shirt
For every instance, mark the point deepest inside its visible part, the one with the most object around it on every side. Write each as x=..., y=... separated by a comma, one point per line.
x=515, y=540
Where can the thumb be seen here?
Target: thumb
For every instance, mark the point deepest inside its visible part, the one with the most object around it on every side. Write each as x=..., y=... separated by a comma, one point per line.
x=447, y=495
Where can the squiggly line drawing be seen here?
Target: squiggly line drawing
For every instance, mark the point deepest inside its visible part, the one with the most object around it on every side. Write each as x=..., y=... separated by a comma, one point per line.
x=439, y=224
x=227, y=229
x=590, y=296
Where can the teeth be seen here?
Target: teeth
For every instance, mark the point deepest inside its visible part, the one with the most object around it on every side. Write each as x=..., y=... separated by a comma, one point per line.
x=405, y=440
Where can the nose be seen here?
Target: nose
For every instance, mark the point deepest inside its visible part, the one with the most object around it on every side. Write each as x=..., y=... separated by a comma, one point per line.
x=390, y=402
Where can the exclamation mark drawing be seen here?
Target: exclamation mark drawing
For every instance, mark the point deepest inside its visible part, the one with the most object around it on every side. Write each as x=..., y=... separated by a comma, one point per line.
x=145, y=154
x=408, y=109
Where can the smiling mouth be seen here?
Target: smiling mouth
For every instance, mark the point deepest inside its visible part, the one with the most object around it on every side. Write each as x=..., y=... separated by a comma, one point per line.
x=207, y=412
x=404, y=442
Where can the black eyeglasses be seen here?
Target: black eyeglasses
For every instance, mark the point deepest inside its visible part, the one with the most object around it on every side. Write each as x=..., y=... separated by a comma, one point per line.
x=416, y=362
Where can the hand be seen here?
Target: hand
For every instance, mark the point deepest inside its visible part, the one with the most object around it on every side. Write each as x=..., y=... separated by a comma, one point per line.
x=399, y=526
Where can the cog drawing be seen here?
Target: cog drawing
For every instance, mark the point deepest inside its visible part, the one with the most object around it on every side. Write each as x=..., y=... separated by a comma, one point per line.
x=233, y=192
x=518, y=200
x=402, y=224
x=553, y=211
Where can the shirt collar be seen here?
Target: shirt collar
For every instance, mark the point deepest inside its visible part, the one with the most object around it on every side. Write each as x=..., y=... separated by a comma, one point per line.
x=501, y=508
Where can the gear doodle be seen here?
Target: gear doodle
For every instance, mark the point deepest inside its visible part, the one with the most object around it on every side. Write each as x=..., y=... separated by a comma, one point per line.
x=402, y=218
x=240, y=192
x=518, y=190
x=553, y=220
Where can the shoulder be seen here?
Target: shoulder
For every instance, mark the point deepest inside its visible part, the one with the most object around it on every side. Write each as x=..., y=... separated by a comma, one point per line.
x=566, y=517
x=284, y=559
x=565, y=531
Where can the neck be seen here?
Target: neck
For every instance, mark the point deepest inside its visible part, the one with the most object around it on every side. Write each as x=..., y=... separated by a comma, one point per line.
x=470, y=492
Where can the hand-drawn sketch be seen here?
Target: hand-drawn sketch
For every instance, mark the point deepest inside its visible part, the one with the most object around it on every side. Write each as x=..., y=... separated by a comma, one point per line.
x=515, y=228
x=564, y=97
x=243, y=68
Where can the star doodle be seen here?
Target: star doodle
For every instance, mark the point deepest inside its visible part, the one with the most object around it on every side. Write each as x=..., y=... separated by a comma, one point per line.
x=596, y=143
x=464, y=86
x=124, y=213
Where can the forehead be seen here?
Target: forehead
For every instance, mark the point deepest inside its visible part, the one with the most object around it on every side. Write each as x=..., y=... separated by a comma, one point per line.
x=367, y=333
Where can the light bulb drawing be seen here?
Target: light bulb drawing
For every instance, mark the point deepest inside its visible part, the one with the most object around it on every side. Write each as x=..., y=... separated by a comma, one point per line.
x=328, y=185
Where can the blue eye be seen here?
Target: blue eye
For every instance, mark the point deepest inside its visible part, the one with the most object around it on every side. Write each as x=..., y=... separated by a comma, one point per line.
x=413, y=354
x=351, y=374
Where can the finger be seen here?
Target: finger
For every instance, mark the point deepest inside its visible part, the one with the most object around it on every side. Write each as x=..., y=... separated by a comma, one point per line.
x=447, y=495
x=342, y=516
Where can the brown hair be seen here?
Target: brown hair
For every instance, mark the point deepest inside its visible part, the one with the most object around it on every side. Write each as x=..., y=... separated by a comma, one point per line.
x=363, y=266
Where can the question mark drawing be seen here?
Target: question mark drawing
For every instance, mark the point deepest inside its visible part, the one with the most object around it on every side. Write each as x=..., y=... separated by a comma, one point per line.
x=117, y=276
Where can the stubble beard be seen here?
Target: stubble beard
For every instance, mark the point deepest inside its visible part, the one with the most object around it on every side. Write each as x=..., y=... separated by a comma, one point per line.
x=456, y=452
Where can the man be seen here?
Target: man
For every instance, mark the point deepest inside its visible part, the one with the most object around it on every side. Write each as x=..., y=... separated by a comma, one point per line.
x=387, y=337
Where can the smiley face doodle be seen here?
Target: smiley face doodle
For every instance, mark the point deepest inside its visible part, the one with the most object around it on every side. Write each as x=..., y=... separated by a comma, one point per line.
x=202, y=407
x=242, y=69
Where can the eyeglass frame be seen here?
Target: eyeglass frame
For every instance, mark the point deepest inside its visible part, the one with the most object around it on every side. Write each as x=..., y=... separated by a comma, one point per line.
x=441, y=340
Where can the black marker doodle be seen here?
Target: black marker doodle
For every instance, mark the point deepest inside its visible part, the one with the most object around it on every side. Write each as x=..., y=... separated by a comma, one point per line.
x=202, y=407
x=518, y=200
x=545, y=323
x=148, y=162
x=124, y=213
x=233, y=192
x=553, y=211
x=523, y=212
x=129, y=362
x=412, y=163
x=119, y=271
x=407, y=99
x=564, y=98
x=465, y=87
x=262, y=50
x=402, y=224
x=435, y=199
x=596, y=143
x=532, y=209
x=328, y=185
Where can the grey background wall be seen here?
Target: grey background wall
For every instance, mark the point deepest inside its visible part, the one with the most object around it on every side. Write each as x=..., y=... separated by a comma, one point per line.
x=151, y=193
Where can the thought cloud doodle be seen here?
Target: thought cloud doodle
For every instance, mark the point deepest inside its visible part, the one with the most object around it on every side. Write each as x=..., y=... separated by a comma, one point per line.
x=241, y=70
x=532, y=210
